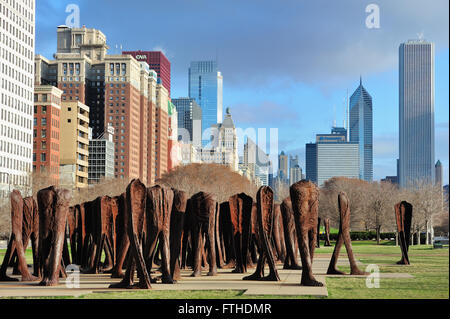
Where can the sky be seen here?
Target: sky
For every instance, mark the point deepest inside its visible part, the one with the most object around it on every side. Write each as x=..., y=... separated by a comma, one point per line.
x=286, y=64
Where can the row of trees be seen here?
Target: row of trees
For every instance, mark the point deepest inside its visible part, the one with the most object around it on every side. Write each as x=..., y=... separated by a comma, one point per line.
x=372, y=205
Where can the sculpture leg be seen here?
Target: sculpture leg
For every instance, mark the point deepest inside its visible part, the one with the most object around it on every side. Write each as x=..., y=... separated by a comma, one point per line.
x=109, y=255
x=35, y=250
x=218, y=248
x=197, y=250
x=404, y=249
x=165, y=262
x=7, y=259
x=150, y=249
x=259, y=272
x=117, y=271
x=212, y=246
x=127, y=280
x=332, y=269
x=17, y=217
x=136, y=249
x=176, y=240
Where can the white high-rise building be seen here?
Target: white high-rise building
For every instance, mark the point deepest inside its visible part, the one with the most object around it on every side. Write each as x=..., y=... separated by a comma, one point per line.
x=416, y=112
x=17, y=34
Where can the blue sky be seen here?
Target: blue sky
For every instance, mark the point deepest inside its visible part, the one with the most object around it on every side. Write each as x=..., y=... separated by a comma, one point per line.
x=286, y=64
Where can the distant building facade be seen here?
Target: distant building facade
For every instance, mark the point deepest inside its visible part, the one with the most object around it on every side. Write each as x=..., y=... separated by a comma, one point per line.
x=17, y=45
x=101, y=157
x=46, y=134
x=283, y=173
x=74, y=145
x=206, y=87
x=189, y=120
x=331, y=156
x=156, y=61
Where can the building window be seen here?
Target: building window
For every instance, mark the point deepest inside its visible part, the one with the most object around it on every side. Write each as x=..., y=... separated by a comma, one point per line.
x=43, y=157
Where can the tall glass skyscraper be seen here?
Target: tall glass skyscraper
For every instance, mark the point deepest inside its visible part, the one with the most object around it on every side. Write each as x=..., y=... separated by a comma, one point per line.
x=206, y=87
x=416, y=112
x=361, y=130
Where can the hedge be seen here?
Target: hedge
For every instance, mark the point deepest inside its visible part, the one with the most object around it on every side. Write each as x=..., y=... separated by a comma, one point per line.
x=363, y=235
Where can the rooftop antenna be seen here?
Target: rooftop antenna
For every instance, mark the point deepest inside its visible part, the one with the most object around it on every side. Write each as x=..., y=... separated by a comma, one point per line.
x=334, y=115
x=420, y=36
x=347, y=117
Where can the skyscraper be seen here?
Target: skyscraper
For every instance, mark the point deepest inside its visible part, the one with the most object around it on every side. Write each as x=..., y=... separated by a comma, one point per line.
x=157, y=61
x=361, y=130
x=295, y=174
x=311, y=162
x=257, y=161
x=331, y=156
x=47, y=132
x=189, y=120
x=283, y=167
x=16, y=94
x=416, y=112
x=120, y=92
x=206, y=87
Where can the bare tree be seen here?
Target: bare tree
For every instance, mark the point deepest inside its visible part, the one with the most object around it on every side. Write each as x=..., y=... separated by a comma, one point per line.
x=356, y=190
x=213, y=178
x=381, y=198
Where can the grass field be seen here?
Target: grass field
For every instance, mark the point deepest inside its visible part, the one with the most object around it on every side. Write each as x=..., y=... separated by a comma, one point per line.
x=429, y=267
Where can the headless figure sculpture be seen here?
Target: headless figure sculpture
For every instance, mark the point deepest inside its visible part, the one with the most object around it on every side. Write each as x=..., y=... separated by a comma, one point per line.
x=344, y=237
x=326, y=223
x=22, y=227
x=403, y=216
x=305, y=204
x=265, y=220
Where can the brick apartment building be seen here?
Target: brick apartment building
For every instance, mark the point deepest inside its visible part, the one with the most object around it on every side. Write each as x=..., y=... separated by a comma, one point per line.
x=119, y=91
x=46, y=135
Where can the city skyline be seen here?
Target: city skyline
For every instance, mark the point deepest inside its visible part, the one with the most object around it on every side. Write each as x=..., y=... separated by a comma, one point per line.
x=376, y=59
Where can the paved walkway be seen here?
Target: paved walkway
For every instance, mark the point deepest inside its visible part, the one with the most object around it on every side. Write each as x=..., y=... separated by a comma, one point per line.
x=225, y=280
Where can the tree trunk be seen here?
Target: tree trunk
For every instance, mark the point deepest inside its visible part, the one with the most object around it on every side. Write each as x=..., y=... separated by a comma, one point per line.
x=418, y=237
x=396, y=238
x=427, y=237
x=378, y=234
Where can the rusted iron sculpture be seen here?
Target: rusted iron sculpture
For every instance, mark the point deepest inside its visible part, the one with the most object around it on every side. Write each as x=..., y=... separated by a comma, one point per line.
x=134, y=213
x=122, y=240
x=24, y=225
x=344, y=237
x=226, y=236
x=326, y=223
x=305, y=204
x=240, y=215
x=176, y=231
x=265, y=221
x=278, y=235
x=53, y=206
x=318, y=232
x=290, y=236
x=201, y=215
x=403, y=216
x=100, y=227
x=157, y=218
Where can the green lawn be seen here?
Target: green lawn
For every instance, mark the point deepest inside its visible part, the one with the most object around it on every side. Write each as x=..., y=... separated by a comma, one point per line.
x=430, y=268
